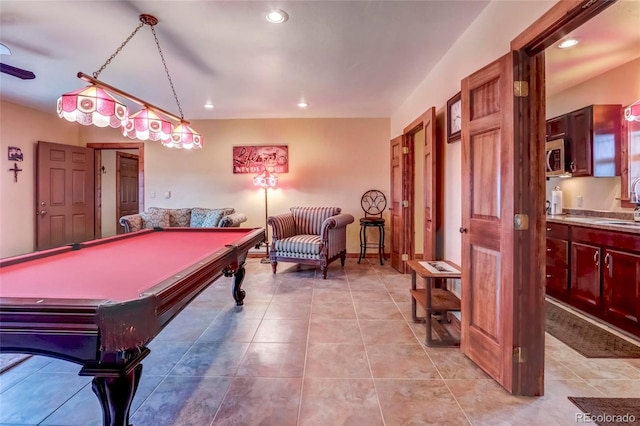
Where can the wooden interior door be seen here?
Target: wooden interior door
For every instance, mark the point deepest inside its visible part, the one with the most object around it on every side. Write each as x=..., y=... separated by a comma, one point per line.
x=126, y=187
x=397, y=246
x=430, y=184
x=65, y=198
x=487, y=325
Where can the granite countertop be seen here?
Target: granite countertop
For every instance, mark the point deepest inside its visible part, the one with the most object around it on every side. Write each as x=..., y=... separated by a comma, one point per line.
x=600, y=222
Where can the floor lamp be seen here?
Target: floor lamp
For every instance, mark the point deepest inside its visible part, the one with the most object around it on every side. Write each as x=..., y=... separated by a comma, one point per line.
x=266, y=180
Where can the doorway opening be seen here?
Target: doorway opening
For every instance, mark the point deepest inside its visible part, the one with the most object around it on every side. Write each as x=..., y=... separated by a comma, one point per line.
x=106, y=214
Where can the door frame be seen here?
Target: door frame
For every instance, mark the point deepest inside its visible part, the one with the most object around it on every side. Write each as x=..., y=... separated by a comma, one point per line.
x=98, y=147
x=409, y=133
x=119, y=156
x=529, y=136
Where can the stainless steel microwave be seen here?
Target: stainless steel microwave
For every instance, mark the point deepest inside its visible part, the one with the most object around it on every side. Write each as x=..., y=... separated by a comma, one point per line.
x=554, y=158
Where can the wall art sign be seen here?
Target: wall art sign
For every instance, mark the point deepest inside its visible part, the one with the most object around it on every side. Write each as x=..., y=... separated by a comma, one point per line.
x=254, y=158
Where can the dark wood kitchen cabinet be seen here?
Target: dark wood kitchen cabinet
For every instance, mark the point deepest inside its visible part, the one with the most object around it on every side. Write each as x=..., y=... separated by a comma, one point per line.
x=593, y=139
x=557, y=261
x=584, y=291
x=621, y=285
x=557, y=127
x=605, y=275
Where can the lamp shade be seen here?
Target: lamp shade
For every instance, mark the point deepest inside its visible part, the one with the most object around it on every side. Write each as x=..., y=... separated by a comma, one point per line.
x=185, y=137
x=265, y=179
x=92, y=105
x=147, y=125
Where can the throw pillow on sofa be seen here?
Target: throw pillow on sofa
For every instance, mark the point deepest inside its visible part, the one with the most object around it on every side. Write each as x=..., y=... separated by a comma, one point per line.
x=199, y=214
x=212, y=219
x=157, y=218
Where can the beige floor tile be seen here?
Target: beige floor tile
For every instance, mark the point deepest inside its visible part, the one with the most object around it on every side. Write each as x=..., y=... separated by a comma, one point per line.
x=337, y=360
x=273, y=360
x=334, y=331
x=386, y=331
x=337, y=310
x=617, y=388
x=418, y=402
x=377, y=311
x=348, y=402
x=603, y=369
x=283, y=331
x=280, y=310
x=401, y=361
x=260, y=401
x=452, y=364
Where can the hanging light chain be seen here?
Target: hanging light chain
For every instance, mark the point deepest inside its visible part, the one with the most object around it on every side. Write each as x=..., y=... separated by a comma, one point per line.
x=166, y=69
x=97, y=73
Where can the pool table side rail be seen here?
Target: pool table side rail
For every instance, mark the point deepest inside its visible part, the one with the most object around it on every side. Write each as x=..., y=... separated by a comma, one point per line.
x=78, y=330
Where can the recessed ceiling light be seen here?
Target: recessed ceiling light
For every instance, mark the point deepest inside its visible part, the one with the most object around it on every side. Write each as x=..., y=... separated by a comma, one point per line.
x=208, y=105
x=4, y=50
x=277, y=16
x=570, y=42
x=302, y=104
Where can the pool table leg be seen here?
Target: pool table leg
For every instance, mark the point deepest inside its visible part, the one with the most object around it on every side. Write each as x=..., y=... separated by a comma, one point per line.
x=238, y=292
x=116, y=394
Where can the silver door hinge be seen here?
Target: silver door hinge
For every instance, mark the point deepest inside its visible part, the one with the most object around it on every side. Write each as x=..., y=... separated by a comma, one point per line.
x=519, y=355
x=405, y=257
x=405, y=149
x=521, y=89
x=521, y=222
x=405, y=203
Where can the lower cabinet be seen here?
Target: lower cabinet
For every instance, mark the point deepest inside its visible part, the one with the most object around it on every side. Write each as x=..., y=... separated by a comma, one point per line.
x=602, y=270
x=621, y=285
x=557, y=263
x=585, y=275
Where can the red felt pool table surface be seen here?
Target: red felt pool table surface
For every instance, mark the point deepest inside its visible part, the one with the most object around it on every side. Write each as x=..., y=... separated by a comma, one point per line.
x=118, y=270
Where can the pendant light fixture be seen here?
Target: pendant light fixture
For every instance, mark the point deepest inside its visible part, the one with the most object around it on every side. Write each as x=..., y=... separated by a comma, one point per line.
x=96, y=105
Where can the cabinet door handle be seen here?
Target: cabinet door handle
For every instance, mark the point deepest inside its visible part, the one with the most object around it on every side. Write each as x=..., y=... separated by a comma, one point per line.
x=548, y=250
x=608, y=261
x=596, y=258
x=548, y=229
x=549, y=275
x=572, y=167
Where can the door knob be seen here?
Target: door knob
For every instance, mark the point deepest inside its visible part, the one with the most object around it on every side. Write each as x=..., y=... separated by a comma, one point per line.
x=463, y=230
x=42, y=212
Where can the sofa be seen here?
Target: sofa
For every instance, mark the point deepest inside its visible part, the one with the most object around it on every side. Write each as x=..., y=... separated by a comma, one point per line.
x=195, y=217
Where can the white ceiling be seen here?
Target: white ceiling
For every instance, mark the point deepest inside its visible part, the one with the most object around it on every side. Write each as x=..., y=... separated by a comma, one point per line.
x=346, y=58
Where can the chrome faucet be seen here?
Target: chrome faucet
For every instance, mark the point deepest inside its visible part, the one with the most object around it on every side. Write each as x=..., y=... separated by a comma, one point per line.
x=634, y=196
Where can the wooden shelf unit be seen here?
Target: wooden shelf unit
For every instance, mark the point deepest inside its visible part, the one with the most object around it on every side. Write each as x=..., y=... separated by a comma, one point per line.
x=433, y=300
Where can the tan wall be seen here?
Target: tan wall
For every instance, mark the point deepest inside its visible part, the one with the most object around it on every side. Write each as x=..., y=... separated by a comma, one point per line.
x=332, y=162
x=24, y=127
x=484, y=41
x=618, y=86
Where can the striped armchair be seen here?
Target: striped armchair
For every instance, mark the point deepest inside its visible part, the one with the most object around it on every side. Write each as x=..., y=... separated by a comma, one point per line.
x=309, y=235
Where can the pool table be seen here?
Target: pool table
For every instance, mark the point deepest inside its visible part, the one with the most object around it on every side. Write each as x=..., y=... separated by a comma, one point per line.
x=99, y=303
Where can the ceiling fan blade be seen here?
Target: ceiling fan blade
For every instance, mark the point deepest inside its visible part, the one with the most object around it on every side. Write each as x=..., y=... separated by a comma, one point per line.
x=17, y=72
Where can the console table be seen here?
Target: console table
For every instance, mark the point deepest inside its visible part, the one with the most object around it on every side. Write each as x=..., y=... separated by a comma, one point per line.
x=433, y=299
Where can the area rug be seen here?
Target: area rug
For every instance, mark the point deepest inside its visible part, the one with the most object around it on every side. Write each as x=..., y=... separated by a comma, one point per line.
x=607, y=411
x=8, y=361
x=585, y=337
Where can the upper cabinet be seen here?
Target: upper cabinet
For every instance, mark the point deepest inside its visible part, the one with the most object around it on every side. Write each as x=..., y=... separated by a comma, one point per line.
x=593, y=138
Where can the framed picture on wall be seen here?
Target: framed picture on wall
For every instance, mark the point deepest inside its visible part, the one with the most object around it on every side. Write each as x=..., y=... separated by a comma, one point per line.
x=15, y=154
x=454, y=118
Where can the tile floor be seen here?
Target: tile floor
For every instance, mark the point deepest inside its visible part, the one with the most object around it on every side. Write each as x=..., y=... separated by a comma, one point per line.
x=307, y=351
